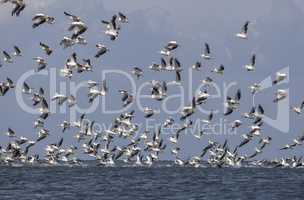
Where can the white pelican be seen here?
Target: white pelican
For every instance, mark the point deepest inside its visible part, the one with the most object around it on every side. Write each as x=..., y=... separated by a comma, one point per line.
x=244, y=32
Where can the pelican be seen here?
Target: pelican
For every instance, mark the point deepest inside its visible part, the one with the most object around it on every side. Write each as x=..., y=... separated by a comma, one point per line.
x=38, y=97
x=209, y=119
x=69, y=42
x=287, y=146
x=6, y=86
x=255, y=130
x=280, y=95
x=41, y=63
x=158, y=90
x=46, y=48
x=26, y=89
x=264, y=142
x=94, y=91
x=7, y=57
x=79, y=124
x=298, y=109
x=197, y=66
x=149, y=112
x=60, y=98
x=137, y=72
x=219, y=70
x=17, y=51
x=247, y=139
x=40, y=19
x=179, y=162
x=199, y=135
x=251, y=66
x=102, y=49
x=168, y=122
x=71, y=62
x=42, y=134
x=155, y=67
x=207, y=81
x=174, y=139
x=72, y=17
x=44, y=109
x=202, y=97
x=65, y=125
x=19, y=6
x=255, y=88
x=166, y=51
x=188, y=110
x=148, y=161
x=111, y=28
x=175, y=151
x=279, y=77
x=236, y=124
x=39, y=123
x=10, y=133
x=78, y=28
x=126, y=97
x=232, y=104
x=206, y=55
x=244, y=32
x=113, y=33
x=122, y=18
x=71, y=101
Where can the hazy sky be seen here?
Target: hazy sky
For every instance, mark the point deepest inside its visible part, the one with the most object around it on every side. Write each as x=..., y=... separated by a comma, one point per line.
x=276, y=37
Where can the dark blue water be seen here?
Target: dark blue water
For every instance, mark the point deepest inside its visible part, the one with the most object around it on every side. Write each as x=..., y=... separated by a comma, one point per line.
x=150, y=183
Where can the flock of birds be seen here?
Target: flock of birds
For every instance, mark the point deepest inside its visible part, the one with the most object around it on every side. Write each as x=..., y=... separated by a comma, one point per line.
x=145, y=148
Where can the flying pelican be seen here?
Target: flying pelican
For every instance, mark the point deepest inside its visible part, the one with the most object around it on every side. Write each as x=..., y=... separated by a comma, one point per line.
x=298, y=109
x=251, y=66
x=172, y=45
x=206, y=55
x=209, y=119
x=168, y=122
x=111, y=28
x=279, y=77
x=94, y=92
x=41, y=18
x=244, y=32
x=199, y=135
x=264, y=142
x=10, y=133
x=41, y=63
x=236, y=124
x=255, y=88
x=60, y=98
x=149, y=112
x=102, y=49
x=188, y=110
x=72, y=17
x=19, y=6
x=122, y=18
x=7, y=57
x=197, y=66
x=137, y=72
x=219, y=70
x=280, y=95
x=26, y=89
x=232, y=104
x=17, y=51
x=78, y=28
x=69, y=42
x=46, y=48
x=42, y=134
